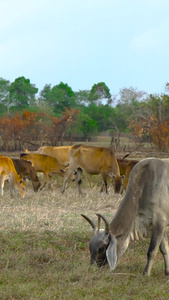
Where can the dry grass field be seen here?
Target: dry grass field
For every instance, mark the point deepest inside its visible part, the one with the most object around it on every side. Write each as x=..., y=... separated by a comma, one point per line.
x=44, y=248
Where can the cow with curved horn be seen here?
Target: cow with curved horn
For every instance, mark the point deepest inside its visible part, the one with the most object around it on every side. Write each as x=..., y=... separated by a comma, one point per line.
x=143, y=212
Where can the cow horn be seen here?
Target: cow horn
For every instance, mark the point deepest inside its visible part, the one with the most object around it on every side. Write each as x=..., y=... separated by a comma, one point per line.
x=99, y=222
x=126, y=155
x=107, y=227
x=90, y=221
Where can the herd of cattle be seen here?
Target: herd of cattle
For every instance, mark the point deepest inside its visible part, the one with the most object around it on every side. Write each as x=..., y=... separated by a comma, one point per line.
x=143, y=211
x=68, y=162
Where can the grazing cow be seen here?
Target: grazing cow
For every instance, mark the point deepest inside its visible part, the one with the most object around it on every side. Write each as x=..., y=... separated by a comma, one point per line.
x=8, y=172
x=143, y=212
x=46, y=164
x=125, y=167
x=93, y=160
x=61, y=153
x=25, y=169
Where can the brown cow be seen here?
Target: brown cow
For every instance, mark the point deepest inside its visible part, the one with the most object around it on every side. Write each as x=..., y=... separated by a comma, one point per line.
x=61, y=153
x=25, y=169
x=125, y=168
x=8, y=172
x=93, y=160
x=46, y=164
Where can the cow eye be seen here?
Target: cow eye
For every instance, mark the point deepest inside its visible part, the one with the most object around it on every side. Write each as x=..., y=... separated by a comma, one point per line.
x=101, y=249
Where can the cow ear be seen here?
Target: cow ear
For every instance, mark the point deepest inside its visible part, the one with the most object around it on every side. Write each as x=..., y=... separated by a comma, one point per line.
x=111, y=252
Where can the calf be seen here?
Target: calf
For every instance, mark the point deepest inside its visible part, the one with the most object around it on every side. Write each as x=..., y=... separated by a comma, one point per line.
x=126, y=167
x=25, y=169
x=46, y=164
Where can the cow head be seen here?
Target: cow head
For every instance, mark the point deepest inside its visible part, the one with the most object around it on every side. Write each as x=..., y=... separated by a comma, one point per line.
x=63, y=173
x=118, y=183
x=103, y=245
x=36, y=184
x=21, y=186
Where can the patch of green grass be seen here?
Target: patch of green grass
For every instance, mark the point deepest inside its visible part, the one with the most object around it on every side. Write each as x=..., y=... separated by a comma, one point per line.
x=44, y=250
x=52, y=265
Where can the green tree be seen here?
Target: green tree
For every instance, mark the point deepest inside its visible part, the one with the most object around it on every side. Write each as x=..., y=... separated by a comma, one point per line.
x=151, y=120
x=121, y=114
x=4, y=96
x=167, y=87
x=82, y=98
x=102, y=114
x=128, y=106
x=158, y=106
x=45, y=93
x=44, y=100
x=100, y=92
x=59, y=97
x=22, y=93
x=83, y=127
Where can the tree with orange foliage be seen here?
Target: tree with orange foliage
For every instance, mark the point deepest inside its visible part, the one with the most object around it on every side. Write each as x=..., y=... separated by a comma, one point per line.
x=59, y=126
x=152, y=120
x=160, y=135
x=34, y=128
x=10, y=129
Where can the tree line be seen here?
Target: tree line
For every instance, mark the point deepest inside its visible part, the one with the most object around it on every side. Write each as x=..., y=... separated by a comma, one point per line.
x=57, y=113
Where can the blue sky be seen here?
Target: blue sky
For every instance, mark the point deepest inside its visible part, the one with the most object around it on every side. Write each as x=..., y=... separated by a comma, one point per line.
x=124, y=43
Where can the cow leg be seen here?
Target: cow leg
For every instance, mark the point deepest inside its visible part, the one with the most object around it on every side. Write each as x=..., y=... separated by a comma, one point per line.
x=45, y=178
x=156, y=239
x=67, y=176
x=51, y=177
x=79, y=180
x=102, y=187
x=165, y=252
x=104, y=184
x=64, y=184
x=3, y=178
x=2, y=185
x=11, y=188
x=50, y=186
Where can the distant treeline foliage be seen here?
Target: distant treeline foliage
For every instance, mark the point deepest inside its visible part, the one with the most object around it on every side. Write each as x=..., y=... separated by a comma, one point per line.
x=58, y=113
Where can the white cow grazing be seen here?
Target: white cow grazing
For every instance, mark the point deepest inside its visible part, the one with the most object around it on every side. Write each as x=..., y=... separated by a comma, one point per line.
x=143, y=212
x=8, y=172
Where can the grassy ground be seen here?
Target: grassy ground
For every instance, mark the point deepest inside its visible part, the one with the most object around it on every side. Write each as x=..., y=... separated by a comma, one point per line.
x=44, y=249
